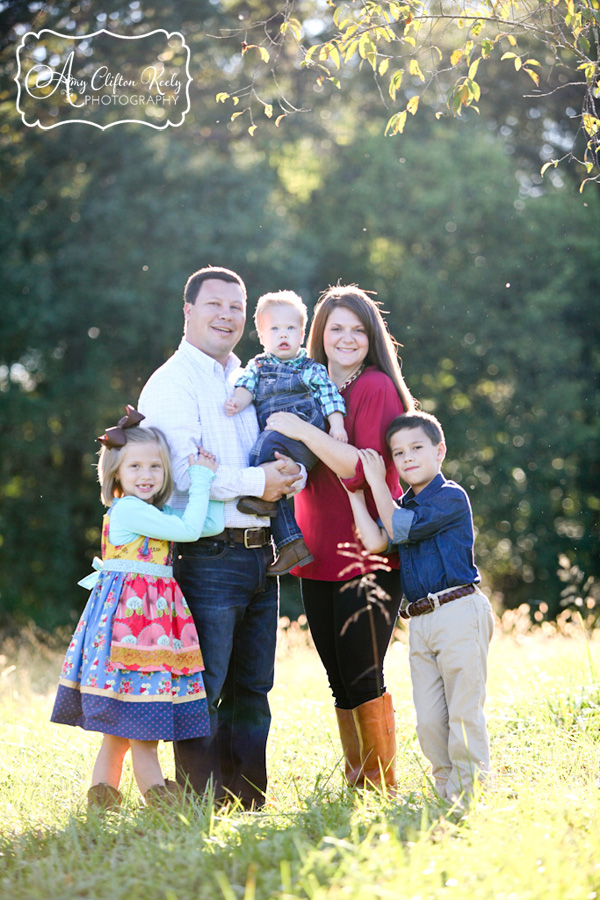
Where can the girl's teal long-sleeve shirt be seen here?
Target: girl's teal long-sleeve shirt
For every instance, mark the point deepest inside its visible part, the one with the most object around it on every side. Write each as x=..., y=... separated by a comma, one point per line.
x=131, y=517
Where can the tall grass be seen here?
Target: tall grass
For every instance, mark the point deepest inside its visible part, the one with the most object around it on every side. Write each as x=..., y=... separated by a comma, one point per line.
x=535, y=833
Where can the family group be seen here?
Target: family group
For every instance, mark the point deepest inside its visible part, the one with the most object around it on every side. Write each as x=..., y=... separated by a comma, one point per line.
x=177, y=640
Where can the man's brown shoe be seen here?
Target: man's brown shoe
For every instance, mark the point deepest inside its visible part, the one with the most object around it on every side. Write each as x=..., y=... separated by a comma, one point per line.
x=296, y=553
x=254, y=506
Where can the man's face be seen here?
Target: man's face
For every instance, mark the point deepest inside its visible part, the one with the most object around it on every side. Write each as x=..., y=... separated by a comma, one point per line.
x=215, y=322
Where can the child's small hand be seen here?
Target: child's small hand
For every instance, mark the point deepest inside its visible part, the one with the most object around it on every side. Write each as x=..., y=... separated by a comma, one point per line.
x=204, y=458
x=231, y=407
x=339, y=434
x=373, y=465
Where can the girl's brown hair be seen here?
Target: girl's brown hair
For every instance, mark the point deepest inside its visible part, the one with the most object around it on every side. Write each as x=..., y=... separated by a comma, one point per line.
x=111, y=457
x=382, y=346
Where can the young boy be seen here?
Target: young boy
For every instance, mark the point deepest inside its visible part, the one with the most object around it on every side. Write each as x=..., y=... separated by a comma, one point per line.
x=453, y=622
x=285, y=378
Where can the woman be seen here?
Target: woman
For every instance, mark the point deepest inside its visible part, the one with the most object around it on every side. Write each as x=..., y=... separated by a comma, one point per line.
x=351, y=618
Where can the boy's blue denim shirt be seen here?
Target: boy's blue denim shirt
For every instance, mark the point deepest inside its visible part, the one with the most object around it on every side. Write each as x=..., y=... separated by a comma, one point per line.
x=434, y=531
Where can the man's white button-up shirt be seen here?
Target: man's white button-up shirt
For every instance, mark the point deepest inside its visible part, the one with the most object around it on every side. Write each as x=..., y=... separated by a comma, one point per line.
x=185, y=398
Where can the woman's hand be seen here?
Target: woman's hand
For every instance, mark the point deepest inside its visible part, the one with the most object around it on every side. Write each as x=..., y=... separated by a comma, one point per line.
x=288, y=424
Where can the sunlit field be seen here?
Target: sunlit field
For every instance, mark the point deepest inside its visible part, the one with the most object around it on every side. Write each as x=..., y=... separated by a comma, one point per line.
x=534, y=833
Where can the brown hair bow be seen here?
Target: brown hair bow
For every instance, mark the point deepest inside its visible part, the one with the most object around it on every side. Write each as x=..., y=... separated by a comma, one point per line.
x=116, y=437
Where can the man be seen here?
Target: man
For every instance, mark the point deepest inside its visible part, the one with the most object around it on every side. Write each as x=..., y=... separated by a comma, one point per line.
x=223, y=578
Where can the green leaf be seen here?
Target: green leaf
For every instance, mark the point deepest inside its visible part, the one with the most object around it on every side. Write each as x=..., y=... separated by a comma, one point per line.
x=396, y=123
x=473, y=68
x=395, y=82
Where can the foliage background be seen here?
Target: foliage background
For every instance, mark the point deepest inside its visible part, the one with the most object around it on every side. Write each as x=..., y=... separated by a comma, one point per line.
x=488, y=274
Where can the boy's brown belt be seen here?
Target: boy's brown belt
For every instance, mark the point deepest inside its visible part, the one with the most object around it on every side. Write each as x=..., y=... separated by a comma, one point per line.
x=427, y=604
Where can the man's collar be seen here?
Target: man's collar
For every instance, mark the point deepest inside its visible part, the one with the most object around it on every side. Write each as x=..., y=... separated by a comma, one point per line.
x=206, y=362
x=432, y=488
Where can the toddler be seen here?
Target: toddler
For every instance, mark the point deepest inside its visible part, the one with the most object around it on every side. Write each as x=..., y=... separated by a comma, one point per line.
x=284, y=378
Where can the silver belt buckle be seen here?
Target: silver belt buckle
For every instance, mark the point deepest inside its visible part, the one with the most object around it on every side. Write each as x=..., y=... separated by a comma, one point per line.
x=248, y=533
x=434, y=601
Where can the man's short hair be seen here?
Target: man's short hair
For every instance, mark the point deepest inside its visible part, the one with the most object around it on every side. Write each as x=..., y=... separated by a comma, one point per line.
x=195, y=281
x=417, y=419
x=280, y=298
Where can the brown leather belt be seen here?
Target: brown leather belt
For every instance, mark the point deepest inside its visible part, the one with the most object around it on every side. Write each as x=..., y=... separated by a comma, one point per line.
x=251, y=538
x=432, y=601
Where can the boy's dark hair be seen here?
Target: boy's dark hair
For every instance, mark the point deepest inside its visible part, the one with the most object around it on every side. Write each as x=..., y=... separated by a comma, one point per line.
x=417, y=419
x=195, y=281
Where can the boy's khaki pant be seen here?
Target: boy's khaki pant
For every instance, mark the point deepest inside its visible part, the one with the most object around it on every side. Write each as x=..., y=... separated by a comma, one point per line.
x=448, y=664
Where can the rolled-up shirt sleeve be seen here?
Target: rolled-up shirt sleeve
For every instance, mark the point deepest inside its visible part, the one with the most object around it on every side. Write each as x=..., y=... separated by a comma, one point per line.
x=402, y=520
x=422, y=522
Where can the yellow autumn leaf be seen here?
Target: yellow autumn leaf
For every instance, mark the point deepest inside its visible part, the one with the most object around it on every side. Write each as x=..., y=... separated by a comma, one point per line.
x=412, y=105
x=414, y=69
x=456, y=57
x=533, y=75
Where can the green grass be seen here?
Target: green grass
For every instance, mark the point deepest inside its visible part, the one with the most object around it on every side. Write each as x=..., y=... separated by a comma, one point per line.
x=534, y=834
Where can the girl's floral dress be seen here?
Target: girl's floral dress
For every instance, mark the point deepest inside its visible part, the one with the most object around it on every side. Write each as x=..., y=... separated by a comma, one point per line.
x=134, y=666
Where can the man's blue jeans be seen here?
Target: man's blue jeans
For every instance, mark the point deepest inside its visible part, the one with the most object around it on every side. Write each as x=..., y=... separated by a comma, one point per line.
x=235, y=608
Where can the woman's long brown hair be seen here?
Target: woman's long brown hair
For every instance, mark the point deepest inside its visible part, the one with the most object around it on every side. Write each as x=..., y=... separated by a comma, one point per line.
x=382, y=346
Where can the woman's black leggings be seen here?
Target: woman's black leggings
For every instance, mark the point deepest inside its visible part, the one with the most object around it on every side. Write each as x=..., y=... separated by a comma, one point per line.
x=352, y=633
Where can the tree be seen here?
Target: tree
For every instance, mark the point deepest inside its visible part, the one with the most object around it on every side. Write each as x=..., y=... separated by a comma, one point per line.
x=415, y=49
x=493, y=295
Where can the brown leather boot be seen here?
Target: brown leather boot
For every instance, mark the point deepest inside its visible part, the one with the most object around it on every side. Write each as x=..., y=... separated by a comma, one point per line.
x=296, y=553
x=254, y=506
x=104, y=798
x=170, y=795
x=350, y=746
x=376, y=730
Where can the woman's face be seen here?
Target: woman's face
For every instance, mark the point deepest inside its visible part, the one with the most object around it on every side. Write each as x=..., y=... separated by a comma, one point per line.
x=345, y=340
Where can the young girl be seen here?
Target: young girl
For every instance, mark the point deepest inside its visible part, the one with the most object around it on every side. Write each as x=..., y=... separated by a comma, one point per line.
x=133, y=668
